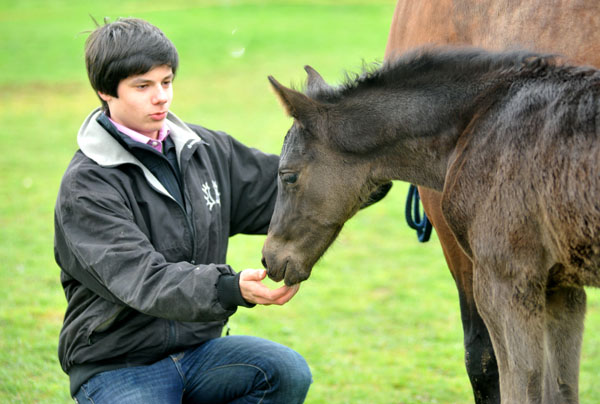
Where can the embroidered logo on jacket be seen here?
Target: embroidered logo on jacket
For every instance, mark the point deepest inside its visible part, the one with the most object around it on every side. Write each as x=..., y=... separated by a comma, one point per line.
x=208, y=195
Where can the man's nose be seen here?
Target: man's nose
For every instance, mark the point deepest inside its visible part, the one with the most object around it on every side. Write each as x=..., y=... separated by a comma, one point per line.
x=161, y=96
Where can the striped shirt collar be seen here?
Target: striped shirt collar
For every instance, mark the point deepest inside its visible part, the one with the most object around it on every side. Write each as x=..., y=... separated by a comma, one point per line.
x=156, y=144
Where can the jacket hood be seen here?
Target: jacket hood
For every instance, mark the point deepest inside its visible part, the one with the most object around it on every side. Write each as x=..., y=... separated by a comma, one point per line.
x=97, y=144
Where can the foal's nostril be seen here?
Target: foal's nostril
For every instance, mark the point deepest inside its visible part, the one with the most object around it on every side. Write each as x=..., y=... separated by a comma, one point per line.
x=264, y=262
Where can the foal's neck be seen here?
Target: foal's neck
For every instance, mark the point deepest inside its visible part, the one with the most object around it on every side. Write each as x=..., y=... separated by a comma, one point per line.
x=428, y=121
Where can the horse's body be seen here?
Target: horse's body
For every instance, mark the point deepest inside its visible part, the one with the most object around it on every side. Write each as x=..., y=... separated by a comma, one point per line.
x=570, y=28
x=511, y=142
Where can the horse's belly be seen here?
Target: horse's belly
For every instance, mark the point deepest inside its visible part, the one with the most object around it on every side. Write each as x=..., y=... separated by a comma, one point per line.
x=580, y=266
x=571, y=216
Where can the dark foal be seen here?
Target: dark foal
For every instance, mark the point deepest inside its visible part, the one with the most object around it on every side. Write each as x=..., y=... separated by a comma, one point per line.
x=510, y=141
x=570, y=28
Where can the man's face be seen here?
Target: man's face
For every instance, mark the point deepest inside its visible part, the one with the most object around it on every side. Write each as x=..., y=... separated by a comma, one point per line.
x=143, y=101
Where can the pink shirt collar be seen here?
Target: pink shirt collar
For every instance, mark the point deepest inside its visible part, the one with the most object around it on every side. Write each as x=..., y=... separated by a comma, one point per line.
x=138, y=137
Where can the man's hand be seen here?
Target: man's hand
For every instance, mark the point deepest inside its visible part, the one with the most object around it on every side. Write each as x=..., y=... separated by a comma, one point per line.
x=254, y=291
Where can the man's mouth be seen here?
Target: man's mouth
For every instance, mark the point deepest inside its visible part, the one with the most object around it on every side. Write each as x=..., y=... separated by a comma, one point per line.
x=159, y=116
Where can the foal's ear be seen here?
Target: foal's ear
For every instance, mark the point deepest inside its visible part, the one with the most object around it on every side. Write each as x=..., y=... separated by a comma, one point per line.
x=315, y=82
x=296, y=104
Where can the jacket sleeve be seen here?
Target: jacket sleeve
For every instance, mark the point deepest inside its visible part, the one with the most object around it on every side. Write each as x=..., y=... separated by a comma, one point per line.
x=253, y=188
x=99, y=244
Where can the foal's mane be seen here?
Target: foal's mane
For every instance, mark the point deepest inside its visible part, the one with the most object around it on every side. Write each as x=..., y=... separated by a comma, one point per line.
x=446, y=62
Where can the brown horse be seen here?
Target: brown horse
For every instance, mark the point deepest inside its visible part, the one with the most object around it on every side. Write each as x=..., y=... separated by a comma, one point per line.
x=511, y=142
x=569, y=28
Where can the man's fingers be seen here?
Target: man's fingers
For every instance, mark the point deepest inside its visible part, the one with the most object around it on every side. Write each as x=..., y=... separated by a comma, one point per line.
x=279, y=296
x=253, y=275
x=254, y=291
x=276, y=293
x=285, y=294
x=292, y=290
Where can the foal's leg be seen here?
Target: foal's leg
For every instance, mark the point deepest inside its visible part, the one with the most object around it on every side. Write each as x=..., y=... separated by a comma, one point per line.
x=512, y=304
x=480, y=360
x=565, y=311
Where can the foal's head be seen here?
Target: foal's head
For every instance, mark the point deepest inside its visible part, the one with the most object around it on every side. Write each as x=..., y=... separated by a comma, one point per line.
x=323, y=179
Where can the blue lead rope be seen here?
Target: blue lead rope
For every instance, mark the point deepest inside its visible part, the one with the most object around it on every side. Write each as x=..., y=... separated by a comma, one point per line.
x=413, y=215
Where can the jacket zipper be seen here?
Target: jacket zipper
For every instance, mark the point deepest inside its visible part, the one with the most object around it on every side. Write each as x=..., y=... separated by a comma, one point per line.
x=192, y=227
x=189, y=217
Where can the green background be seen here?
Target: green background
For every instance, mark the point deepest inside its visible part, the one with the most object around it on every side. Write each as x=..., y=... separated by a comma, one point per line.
x=378, y=321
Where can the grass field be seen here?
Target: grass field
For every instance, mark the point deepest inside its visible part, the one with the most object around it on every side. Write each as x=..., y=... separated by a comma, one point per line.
x=378, y=321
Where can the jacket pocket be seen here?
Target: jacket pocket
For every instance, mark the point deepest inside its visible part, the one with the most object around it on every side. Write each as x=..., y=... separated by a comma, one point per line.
x=102, y=324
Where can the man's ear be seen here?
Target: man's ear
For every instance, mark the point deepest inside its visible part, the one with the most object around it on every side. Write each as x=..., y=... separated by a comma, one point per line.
x=105, y=97
x=296, y=104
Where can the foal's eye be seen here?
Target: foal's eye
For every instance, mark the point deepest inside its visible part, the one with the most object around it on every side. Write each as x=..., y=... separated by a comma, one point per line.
x=289, y=178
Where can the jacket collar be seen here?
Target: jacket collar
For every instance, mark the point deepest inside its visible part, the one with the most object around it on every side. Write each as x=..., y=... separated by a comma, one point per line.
x=105, y=150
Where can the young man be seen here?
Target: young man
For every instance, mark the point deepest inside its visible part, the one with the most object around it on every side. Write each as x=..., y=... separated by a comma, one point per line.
x=142, y=220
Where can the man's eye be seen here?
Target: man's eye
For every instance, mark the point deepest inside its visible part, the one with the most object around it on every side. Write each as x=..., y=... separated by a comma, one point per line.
x=289, y=178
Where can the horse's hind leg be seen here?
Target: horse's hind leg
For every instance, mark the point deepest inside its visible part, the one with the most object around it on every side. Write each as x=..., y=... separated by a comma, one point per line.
x=480, y=360
x=565, y=311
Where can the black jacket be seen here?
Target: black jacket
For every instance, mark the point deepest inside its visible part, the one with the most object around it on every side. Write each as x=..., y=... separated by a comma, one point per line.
x=143, y=275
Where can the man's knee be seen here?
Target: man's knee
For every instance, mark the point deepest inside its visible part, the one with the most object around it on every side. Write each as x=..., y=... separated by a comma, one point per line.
x=294, y=377
x=289, y=372
x=299, y=371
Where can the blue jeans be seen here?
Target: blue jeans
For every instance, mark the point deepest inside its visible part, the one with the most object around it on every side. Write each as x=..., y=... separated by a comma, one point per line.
x=232, y=369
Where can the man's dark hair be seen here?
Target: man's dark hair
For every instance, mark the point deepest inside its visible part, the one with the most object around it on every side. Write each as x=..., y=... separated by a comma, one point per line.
x=124, y=48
